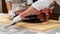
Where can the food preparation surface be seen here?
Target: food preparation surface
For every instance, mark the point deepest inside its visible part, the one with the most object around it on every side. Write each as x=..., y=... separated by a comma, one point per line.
x=48, y=25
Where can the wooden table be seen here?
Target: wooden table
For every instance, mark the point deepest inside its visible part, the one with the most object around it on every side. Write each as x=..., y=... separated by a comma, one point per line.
x=42, y=27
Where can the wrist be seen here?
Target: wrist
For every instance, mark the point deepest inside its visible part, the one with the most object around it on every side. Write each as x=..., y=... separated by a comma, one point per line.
x=10, y=11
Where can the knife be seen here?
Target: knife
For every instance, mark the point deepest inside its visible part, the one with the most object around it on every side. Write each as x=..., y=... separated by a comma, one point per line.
x=15, y=23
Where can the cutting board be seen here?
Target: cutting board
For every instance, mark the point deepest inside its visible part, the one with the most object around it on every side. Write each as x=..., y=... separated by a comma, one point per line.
x=45, y=26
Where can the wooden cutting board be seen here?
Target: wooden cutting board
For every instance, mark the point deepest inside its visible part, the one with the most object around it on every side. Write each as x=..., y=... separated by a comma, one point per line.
x=48, y=25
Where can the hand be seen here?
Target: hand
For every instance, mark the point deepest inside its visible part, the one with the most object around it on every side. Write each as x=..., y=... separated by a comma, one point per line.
x=11, y=14
x=16, y=19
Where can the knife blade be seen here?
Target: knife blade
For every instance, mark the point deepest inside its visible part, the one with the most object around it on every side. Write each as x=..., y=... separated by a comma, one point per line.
x=15, y=23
